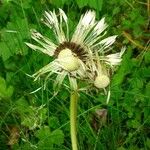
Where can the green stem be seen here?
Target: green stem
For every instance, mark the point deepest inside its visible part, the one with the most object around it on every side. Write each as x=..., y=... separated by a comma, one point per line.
x=73, y=119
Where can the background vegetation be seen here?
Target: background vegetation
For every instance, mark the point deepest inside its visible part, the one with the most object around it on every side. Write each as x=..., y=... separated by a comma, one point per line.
x=39, y=120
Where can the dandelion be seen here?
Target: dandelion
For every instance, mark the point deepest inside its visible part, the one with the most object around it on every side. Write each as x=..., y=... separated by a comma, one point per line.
x=84, y=55
x=70, y=54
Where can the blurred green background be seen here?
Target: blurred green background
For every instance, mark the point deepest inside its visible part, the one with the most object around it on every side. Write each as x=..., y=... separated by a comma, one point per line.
x=40, y=120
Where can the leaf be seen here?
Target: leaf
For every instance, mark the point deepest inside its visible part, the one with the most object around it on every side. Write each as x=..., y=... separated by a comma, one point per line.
x=43, y=133
x=59, y=3
x=48, y=138
x=134, y=123
x=81, y=3
x=57, y=137
x=53, y=122
x=148, y=143
x=144, y=72
x=147, y=102
x=4, y=13
x=147, y=57
x=96, y=4
x=121, y=148
x=5, y=91
x=116, y=10
x=22, y=105
x=26, y=4
x=12, y=39
x=137, y=83
x=34, y=117
x=5, y=51
x=147, y=89
x=31, y=117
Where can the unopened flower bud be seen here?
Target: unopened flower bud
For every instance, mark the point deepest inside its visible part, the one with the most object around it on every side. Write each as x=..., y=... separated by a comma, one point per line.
x=101, y=81
x=68, y=60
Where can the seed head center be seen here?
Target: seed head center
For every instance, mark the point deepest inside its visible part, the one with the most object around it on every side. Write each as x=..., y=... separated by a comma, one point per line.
x=68, y=60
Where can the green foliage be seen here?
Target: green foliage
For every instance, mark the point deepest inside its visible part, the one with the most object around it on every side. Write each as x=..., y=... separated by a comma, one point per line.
x=31, y=117
x=96, y=4
x=41, y=117
x=5, y=90
x=48, y=138
x=13, y=36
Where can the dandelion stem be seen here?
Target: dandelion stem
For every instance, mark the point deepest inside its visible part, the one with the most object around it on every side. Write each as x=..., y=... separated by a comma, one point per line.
x=73, y=118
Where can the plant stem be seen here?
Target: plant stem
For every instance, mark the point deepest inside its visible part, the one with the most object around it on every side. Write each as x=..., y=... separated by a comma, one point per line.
x=73, y=119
